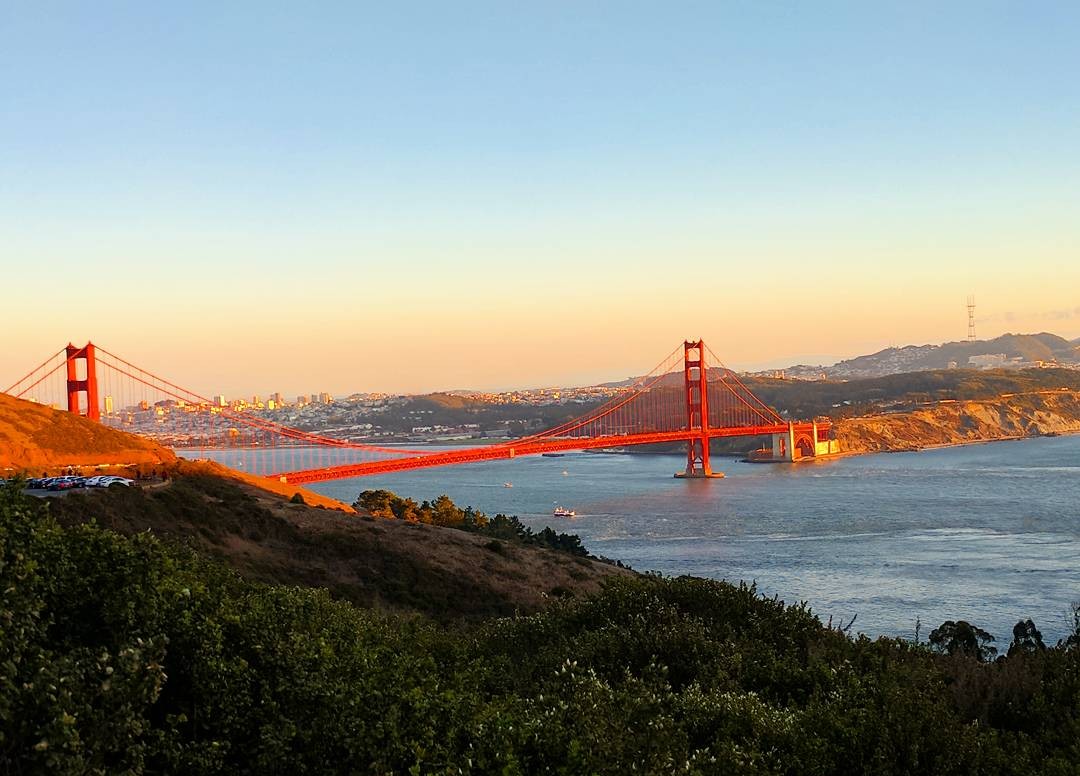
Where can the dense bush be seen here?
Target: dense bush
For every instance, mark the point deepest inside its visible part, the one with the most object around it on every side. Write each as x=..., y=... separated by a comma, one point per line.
x=128, y=655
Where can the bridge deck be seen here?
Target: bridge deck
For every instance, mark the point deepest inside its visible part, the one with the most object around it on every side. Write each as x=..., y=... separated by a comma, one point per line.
x=526, y=447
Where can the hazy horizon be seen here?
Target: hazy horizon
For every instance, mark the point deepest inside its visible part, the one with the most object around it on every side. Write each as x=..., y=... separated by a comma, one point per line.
x=596, y=379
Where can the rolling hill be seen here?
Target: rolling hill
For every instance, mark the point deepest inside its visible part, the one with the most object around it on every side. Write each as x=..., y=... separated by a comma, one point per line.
x=1028, y=348
x=36, y=438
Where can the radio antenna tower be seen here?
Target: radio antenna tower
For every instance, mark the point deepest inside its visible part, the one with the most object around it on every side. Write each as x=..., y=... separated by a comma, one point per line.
x=971, y=318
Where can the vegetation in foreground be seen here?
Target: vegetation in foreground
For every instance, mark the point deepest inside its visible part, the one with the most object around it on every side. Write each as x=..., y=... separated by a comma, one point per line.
x=128, y=655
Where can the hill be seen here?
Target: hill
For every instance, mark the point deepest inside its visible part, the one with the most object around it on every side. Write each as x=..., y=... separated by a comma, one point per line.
x=960, y=422
x=35, y=438
x=845, y=398
x=457, y=410
x=387, y=564
x=1024, y=348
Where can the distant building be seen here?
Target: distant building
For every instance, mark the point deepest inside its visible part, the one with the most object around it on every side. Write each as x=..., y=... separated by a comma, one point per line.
x=326, y=398
x=301, y=401
x=108, y=405
x=952, y=365
x=988, y=361
x=220, y=400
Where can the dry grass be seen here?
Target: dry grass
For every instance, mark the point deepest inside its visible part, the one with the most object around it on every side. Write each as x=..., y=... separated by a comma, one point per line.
x=388, y=564
x=34, y=439
x=261, y=483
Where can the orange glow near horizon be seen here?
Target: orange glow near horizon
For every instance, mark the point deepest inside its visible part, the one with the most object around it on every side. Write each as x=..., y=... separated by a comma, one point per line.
x=504, y=345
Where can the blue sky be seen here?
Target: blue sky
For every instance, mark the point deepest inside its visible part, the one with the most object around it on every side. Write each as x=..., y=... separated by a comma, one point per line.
x=584, y=183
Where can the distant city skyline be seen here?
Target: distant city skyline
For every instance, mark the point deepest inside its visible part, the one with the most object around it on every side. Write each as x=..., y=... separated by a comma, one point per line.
x=425, y=197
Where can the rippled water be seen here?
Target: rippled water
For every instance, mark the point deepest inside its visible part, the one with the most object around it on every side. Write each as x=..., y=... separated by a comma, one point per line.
x=988, y=533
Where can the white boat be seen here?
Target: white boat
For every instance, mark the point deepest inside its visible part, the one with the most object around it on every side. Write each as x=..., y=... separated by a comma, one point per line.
x=508, y=484
x=564, y=512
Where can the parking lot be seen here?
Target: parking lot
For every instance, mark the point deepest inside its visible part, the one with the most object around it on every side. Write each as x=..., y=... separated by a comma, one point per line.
x=58, y=486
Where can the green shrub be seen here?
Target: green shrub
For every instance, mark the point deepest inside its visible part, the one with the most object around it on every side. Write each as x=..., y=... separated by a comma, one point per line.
x=127, y=655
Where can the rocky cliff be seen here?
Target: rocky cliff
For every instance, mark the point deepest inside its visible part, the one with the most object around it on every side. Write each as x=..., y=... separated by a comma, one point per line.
x=960, y=422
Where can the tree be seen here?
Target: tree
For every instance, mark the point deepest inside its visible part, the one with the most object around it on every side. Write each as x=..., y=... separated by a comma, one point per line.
x=375, y=502
x=474, y=519
x=445, y=512
x=963, y=638
x=1026, y=639
x=1073, y=619
x=383, y=503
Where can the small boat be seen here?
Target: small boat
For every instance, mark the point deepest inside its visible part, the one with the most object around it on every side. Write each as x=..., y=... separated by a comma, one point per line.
x=552, y=455
x=508, y=484
x=564, y=512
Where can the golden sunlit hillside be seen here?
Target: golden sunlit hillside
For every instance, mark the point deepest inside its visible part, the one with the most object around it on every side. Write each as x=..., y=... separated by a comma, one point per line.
x=34, y=438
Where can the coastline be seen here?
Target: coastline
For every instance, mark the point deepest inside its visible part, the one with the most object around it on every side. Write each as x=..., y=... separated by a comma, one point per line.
x=962, y=423
x=944, y=445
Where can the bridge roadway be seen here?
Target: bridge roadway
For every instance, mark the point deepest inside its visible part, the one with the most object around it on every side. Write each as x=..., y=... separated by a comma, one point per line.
x=527, y=446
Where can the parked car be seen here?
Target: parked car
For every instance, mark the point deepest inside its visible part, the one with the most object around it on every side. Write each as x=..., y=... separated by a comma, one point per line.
x=62, y=483
x=119, y=481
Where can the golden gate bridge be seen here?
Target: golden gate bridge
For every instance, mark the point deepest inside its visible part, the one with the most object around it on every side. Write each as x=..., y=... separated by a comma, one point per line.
x=689, y=397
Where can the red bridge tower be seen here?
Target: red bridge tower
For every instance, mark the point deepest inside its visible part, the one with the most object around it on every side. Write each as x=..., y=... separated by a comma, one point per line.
x=87, y=385
x=696, y=379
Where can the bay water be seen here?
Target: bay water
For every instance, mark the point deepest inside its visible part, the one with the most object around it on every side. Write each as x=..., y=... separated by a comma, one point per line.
x=989, y=533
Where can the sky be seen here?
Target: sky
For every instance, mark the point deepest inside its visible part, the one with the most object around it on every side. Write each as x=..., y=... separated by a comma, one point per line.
x=255, y=197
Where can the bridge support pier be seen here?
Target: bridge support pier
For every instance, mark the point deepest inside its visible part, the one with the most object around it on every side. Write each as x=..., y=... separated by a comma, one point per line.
x=783, y=445
x=696, y=380
x=800, y=442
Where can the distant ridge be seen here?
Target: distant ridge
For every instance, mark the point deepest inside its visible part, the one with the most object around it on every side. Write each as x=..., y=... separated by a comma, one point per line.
x=1026, y=349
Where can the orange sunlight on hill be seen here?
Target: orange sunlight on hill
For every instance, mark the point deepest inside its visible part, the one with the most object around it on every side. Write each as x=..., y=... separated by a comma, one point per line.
x=35, y=439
